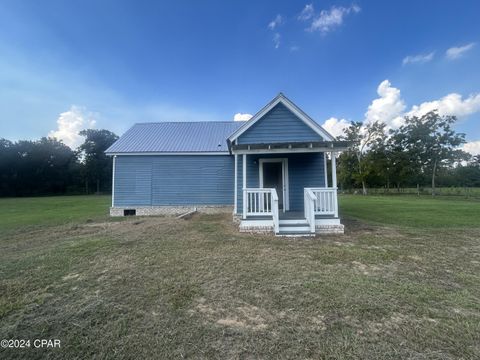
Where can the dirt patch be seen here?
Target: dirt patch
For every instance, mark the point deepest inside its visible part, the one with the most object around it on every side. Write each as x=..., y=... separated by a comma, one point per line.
x=365, y=269
x=241, y=317
x=318, y=322
x=71, y=277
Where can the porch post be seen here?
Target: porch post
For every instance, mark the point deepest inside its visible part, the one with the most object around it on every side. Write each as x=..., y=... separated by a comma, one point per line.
x=244, y=184
x=235, y=188
x=325, y=165
x=113, y=180
x=334, y=170
x=334, y=182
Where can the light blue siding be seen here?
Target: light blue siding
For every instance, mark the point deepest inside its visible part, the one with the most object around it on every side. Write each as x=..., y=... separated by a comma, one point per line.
x=278, y=125
x=304, y=170
x=133, y=181
x=174, y=180
x=205, y=179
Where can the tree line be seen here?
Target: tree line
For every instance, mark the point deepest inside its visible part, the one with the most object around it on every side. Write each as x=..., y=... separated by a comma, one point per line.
x=423, y=151
x=49, y=167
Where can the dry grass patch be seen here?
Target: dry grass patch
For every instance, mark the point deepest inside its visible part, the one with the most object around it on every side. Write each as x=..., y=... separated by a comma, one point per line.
x=162, y=287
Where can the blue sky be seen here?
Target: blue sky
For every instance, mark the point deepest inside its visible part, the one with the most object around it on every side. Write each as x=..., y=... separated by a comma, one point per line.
x=112, y=63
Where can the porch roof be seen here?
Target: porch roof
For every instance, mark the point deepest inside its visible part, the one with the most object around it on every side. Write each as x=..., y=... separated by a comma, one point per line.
x=309, y=146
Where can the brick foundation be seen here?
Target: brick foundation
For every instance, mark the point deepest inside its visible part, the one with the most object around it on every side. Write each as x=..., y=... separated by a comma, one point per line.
x=170, y=210
x=330, y=229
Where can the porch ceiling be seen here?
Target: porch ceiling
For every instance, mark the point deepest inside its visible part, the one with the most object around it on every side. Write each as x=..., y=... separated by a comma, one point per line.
x=308, y=146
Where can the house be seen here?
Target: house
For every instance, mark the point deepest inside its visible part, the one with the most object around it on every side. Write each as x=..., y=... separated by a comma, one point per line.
x=270, y=171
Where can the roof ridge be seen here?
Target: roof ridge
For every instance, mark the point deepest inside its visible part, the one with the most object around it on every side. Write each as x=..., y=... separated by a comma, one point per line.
x=187, y=122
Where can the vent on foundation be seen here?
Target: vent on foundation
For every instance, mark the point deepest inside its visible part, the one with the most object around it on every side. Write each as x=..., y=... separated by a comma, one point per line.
x=129, y=212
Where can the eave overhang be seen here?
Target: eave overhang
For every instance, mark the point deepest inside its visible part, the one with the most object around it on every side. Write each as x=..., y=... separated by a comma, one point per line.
x=310, y=146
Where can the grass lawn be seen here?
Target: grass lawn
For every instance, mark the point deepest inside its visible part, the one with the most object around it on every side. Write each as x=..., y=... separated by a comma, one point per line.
x=411, y=210
x=24, y=212
x=403, y=282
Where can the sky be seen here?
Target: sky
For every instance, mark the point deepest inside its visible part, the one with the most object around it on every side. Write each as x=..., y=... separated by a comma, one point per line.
x=70, y=65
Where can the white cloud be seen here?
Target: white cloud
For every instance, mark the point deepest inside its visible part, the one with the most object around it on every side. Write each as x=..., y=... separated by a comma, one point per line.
x=472, y=147
x=70, y=123
x=275, y=22
x=421, y=58
x=457, y=52
x=306, y=13
x=330, y=19
x=242, y=117
x=294, y=48
x=276, y=40
x=335, y=126
x=389, y=107
x=451, y=104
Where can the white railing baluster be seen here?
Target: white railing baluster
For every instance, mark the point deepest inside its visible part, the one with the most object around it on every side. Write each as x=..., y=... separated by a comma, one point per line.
x=326, y=201
x=258, y=202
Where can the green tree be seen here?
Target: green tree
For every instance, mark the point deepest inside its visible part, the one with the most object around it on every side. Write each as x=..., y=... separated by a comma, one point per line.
x=97, y=166
x=430, y=143
x=362, y=138
x=38, y=167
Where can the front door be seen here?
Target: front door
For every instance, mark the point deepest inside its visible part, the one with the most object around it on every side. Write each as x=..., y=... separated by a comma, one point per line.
x=273, y=174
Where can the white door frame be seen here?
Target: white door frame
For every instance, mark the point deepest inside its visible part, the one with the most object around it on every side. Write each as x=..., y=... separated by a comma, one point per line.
x=284, y=161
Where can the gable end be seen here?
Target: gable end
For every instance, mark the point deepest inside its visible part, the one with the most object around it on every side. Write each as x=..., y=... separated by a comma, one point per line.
x=268, y=123
x=278, y=125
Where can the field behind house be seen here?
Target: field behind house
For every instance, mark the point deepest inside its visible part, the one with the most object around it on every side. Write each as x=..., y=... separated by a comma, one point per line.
x=453, y=191
x=403, y=282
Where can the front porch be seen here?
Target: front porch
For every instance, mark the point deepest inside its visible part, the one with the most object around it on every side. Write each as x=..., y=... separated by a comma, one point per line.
x=281, y=175
x=295, y=198
x=320, y=213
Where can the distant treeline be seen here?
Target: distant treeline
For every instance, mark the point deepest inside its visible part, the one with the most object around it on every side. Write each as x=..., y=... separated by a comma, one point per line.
x=454, y=191
x=49, y=167
x=423, y=152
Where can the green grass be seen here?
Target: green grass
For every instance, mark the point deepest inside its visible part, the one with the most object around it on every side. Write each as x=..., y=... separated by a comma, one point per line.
x=21, y=212
x=412, y=211
x=161, y=287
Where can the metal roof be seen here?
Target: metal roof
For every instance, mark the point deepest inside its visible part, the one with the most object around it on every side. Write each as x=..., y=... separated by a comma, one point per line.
x=173, y=137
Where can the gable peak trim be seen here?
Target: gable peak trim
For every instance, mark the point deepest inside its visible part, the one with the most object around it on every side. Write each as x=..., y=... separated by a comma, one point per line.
x=281, y=98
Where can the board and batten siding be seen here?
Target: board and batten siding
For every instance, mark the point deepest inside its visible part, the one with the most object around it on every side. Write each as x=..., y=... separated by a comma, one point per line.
x=304, y=170
x=174, y=180
x=278, y=125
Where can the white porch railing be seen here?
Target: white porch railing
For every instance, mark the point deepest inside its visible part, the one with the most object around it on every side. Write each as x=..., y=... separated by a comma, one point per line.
x=309, y=208
x=257, y=202
x=261, y=202
x=326, y=201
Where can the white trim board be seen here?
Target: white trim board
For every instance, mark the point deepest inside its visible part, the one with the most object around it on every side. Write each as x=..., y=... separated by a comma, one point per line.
x=325, y=169
x=235, y=190
x=113, y=181
x=282, y=151
x=286, y=192
x=280, y=98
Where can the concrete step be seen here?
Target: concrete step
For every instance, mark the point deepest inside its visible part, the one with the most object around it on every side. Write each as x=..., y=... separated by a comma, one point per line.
x=293, y=222
x=294, y=225
x=298, y=228
x=295, y=233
